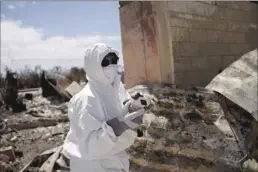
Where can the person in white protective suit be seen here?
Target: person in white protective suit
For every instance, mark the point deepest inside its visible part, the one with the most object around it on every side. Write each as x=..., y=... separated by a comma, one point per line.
x=100, y=122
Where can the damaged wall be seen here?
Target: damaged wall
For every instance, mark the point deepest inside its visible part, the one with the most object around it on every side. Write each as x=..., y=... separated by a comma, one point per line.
x=137, y=27
x=184, y=42
x=141, y=43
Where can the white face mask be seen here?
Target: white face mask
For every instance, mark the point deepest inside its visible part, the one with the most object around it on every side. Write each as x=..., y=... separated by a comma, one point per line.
x=110, y=72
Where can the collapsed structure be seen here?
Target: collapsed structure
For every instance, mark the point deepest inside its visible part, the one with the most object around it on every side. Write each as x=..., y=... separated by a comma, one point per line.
x=212, y=129
x=52, y=85
x=192, y=129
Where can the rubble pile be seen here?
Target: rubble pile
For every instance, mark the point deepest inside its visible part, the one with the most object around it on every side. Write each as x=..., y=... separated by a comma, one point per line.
x=196, y=129
x=41, y=127
x=185, y=130
x=189, y=130
x=37, y=120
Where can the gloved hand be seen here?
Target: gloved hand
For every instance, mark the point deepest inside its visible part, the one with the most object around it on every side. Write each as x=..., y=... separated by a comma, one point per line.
x=129, y=121
x=126, y=107
x=133, y=119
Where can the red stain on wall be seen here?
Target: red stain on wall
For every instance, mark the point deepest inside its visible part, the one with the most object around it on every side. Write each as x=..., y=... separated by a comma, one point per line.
x=138, y=35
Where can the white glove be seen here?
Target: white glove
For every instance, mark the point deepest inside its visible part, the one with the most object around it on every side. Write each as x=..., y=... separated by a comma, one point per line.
x=134, y=119
x=126, y=120
x=125, y=109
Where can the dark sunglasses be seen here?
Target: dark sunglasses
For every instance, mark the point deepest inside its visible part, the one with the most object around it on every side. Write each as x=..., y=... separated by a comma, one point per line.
x=109, y=59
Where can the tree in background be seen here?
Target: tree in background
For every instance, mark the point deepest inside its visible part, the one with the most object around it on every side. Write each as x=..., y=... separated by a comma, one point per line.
x=77, y=74
x=57, y=70
x=30, y=78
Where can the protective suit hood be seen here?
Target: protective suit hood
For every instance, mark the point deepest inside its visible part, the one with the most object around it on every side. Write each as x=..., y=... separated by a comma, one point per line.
x=92, y=62
x=108, y=93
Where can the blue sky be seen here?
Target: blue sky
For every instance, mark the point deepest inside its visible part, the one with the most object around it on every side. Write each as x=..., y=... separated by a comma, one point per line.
x=55, y=33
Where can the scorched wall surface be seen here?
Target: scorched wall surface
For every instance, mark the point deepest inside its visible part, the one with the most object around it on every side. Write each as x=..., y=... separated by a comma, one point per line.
x=184, y=42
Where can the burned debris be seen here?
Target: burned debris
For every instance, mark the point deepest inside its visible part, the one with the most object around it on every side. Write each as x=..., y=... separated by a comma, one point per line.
x=58, y=85
x=177, y=132
x=47, y=89
x=54, y=86
x=40, y=127
x=42, y=123
x=184, y=132
x=186, y=129
x=10, y=94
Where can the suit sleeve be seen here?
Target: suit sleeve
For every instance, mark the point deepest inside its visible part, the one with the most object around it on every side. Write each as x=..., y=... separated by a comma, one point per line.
x=125, y=96
x=96, y=138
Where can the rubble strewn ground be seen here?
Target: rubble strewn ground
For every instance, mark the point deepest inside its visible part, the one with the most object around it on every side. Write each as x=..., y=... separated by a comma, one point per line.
x=32, y=142
x=26, y=132
x=185, y=130
x=189, y=130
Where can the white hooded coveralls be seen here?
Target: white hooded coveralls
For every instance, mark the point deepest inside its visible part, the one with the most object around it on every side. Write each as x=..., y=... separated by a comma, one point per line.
x=91, y=143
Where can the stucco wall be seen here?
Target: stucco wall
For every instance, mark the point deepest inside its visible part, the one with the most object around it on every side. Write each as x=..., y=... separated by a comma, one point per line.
x=184, y=42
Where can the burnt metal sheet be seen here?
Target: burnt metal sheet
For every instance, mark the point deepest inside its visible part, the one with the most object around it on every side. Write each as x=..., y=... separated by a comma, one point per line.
x=238, y=83
x=51, y=86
